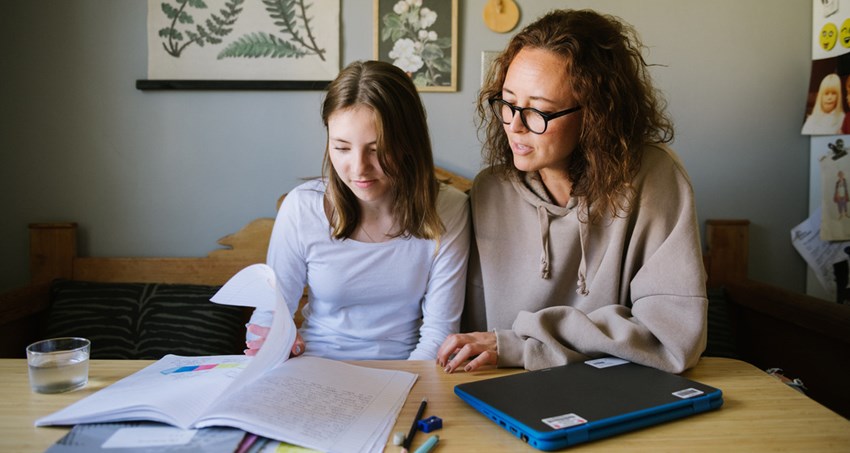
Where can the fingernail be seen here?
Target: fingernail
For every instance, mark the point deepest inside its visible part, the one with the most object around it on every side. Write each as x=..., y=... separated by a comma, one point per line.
x=298, y=349
x=467, y=368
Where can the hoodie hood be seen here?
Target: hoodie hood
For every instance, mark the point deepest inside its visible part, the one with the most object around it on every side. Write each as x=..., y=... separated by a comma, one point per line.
x=531, y=188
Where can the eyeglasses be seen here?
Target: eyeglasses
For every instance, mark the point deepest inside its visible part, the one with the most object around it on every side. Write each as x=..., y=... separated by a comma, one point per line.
x=534, y=120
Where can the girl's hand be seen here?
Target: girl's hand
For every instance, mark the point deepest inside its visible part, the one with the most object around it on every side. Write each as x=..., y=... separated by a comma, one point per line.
x=477, y=347
x=254, y=346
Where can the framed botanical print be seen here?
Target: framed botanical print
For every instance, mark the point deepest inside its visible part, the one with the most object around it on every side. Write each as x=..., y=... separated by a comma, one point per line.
x=237, y=44
x=420, y=37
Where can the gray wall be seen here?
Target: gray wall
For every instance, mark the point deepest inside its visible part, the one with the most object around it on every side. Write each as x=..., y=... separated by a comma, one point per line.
x=168, y=173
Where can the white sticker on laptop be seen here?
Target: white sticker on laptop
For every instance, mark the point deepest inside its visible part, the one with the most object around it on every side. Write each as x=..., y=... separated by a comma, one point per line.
x=606, y=362
x=564, y=421
x=688, y=393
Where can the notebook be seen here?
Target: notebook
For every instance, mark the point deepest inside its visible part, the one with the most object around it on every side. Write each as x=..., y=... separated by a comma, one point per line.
x=567, y=405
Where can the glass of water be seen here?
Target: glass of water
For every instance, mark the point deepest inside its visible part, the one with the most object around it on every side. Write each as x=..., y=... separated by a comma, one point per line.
x=58, y=364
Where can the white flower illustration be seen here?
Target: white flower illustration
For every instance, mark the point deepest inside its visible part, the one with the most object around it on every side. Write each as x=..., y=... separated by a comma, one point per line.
x=401, y=7
x=404, y=55
x=427, y=17
x=425, y=35
x=416, y=49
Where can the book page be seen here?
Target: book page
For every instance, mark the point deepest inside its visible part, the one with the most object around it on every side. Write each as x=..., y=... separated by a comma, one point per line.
x=256, y=286
x=159, y=393
x=174, y=390
x=317, y=403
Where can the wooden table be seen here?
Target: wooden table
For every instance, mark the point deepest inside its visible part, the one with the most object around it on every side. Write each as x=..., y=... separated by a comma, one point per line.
x=759, y=413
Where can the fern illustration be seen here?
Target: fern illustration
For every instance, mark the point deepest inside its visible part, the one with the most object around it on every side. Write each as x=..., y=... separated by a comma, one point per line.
x=211, y=31
x=287, y=14
x=259, y=44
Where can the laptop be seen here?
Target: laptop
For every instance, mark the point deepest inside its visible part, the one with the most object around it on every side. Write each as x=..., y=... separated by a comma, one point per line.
x=567, y=405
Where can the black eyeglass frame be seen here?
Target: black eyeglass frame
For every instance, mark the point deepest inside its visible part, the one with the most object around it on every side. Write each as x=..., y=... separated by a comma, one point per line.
x=514, y=109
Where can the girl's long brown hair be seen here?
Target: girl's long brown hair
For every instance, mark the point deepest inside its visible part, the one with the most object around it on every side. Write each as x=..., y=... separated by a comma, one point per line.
x=403, y=145
x=621, y=111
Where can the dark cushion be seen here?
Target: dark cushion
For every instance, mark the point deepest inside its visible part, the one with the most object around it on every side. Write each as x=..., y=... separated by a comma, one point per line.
x=721, y=333
x=144, y=320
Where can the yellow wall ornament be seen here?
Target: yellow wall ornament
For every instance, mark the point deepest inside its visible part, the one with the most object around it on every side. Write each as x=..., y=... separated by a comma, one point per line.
x=501, y=16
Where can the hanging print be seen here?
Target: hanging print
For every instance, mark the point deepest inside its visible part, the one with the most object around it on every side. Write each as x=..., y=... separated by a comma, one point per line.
x=243, y=40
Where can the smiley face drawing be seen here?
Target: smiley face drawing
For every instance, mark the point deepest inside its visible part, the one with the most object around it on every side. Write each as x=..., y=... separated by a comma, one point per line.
x=828, y=36
x=844, y=34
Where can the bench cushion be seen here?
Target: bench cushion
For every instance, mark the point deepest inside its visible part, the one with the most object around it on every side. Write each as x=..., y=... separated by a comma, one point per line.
x=721, y=332
x=144, y=320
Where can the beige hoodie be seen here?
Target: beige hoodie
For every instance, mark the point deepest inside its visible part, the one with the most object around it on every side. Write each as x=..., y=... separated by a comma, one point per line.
x=556, y=290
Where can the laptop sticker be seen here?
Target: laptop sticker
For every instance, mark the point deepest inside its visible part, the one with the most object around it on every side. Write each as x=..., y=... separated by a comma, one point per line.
x=606, y=362
x=564, y=421
x=688, y=393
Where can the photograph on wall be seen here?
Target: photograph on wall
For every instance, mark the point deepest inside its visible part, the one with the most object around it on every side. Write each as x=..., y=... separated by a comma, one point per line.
x=420, y=37
x=243, y=40
x=826, y=103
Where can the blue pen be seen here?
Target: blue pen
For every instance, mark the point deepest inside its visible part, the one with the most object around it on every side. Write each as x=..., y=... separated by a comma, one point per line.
x=428, y=445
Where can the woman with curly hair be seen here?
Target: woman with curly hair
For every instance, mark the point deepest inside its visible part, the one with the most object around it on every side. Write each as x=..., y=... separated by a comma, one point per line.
x=585, y=226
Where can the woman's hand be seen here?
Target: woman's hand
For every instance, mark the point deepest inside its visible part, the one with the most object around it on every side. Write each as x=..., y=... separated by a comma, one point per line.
x=477, y=347
x=262, y=332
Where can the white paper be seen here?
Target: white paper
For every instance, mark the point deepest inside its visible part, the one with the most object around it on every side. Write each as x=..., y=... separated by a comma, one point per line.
x=820, y=255
x=323, y=412
x=256, y=286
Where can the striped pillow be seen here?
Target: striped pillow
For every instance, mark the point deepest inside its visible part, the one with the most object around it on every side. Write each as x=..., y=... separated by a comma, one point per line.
x=144, y=320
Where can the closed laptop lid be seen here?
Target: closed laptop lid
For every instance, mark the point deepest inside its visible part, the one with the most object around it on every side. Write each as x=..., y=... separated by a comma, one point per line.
x=566, y=405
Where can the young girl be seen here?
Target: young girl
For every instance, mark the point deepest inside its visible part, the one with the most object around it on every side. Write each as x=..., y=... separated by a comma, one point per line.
x=380, y=243
x=828, y=113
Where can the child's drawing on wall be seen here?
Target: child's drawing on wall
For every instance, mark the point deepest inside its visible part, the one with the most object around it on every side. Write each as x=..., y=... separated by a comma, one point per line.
x=835, y=193
x=841, y=195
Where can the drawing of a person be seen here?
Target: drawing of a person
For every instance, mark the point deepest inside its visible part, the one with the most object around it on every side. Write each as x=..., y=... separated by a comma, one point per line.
x=841, y=195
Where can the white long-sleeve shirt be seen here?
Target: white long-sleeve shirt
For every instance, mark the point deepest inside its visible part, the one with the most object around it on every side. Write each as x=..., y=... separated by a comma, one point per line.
x=388, y=300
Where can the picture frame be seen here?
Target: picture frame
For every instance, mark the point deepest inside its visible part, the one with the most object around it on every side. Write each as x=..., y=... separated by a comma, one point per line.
x=237, y=45
x=420, y=37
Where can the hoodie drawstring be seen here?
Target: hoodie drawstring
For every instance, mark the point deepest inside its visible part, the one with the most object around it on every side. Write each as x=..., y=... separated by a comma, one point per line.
x=543, y=218
x=582, y=266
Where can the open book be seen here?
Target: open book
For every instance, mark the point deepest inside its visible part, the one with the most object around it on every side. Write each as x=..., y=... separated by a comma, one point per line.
x=308, y=401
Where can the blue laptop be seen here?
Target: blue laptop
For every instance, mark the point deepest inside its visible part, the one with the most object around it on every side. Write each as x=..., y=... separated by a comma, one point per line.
x=567, y=405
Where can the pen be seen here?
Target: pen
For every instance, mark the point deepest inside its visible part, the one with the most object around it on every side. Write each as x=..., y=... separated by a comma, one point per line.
x=409, y=439
x=428, y=445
